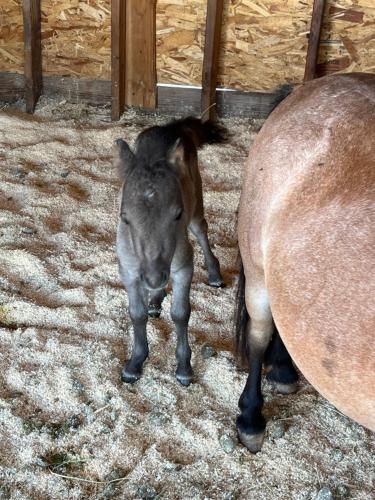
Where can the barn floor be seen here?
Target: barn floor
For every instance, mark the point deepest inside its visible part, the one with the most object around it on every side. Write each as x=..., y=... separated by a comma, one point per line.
x=69, y=428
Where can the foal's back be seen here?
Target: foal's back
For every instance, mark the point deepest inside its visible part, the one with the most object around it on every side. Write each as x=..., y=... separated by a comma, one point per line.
x=310, y=198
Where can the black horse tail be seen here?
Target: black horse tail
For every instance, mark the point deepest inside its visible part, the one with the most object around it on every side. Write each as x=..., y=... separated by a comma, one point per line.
x=208, y=132
x=242, y=318
x=280, y=94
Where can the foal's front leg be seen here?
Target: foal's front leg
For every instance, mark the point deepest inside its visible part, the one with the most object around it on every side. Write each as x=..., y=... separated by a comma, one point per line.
x=180, y=312
x=138, y=309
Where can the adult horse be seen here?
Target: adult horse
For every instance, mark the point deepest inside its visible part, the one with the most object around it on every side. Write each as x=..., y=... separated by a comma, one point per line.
x=307, y=240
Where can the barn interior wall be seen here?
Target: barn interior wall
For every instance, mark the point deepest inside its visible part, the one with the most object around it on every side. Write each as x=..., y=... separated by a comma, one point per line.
x=263, y=41
x=11, y=36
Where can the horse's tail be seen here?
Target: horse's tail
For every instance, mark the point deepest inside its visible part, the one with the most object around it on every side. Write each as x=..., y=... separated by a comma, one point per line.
x=280, y=94
x=201, y=133
x=242, y=318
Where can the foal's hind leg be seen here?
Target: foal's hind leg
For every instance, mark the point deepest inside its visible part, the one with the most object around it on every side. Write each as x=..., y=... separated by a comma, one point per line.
x=250, y=423
x=281, y=369
x=180, y=312
x=155, y=302
x=199, y=228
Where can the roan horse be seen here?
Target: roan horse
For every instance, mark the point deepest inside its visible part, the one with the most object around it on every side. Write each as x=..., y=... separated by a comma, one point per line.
x=161, y=199
x=307, y=240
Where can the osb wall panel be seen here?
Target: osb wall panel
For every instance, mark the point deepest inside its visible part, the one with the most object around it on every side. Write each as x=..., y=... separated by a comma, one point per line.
x=11, y=36
x=180, y=27
x=348, y=36
x=264, y=42
x=76, y=38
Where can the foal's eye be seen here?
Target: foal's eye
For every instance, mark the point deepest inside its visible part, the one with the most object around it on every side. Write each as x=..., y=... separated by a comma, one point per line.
x=179, y=215
x=124, y=219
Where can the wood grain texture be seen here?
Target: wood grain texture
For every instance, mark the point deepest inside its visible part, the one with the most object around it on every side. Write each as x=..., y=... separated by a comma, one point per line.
x=140, y=75
x=174, y=101
x=12, y=87
x=118, y=57
x=33, y=53
x=211, y=58
x=314, y=39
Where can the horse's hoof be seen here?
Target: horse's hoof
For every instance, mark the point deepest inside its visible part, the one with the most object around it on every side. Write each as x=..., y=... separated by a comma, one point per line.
x=129, y=378
x=184, y=380
x=154, y=311
x=216, y=283
x=286, y=388
x=253, y=442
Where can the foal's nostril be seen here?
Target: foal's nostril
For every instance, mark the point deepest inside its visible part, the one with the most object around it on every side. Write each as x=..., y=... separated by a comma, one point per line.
x=164, y=277
x=142, y=276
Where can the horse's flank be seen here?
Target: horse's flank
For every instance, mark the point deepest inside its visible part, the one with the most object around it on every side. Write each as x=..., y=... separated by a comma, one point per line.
x=306, y=228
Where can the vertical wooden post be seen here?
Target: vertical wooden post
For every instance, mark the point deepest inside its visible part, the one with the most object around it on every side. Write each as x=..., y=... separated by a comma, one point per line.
x=141, y=53
x=211, y=58
x=118, y=55
x=33, y=53
x=314, y=38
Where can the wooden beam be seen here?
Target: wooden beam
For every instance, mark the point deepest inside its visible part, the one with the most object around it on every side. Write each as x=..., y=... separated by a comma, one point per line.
x=211, y=58
x=118, y=55
x=172, y=100
x=314, y=38
x=33, y=53
x=141, y=53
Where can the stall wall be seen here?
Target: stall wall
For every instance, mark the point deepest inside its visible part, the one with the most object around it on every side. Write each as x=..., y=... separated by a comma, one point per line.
x=263, y=41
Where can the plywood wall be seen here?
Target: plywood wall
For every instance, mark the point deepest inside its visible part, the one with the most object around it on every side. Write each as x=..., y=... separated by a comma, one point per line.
x=348, y=36
x=11, y=36
x=263, y=44
x=76, y=38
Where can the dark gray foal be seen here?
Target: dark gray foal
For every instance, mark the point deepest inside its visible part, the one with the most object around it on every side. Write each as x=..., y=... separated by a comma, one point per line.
x=161, y=198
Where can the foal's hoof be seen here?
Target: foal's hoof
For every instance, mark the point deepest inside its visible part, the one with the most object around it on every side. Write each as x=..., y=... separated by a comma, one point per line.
x=154, y=311
x=184, y=380
x=129, y=378
x=216, y=282
x=253, y=442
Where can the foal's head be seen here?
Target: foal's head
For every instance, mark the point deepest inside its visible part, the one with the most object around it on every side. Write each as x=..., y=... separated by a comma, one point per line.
x=152, y=210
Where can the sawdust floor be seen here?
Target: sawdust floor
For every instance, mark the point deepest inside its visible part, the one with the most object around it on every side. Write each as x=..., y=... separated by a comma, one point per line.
x=65, y=335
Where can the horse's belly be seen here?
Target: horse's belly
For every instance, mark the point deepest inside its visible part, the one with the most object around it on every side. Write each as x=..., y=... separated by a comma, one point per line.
x=320, y=278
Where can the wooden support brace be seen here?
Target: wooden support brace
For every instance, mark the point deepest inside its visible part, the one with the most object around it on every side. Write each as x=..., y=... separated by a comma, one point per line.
x=118, y=55
x=211, y=58
x=133, y=55
x=141, y=53
x=314, y=38
x=33, y=53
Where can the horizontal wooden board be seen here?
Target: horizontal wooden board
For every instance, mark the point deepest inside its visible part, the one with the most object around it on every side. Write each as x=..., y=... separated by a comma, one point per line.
x=172, y=100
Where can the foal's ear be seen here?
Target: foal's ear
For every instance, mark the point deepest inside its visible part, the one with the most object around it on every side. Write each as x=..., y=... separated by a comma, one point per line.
x=176, y=154
x=125, y=158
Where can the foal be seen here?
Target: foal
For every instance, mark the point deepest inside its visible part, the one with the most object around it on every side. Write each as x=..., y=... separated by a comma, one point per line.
x=161, y=198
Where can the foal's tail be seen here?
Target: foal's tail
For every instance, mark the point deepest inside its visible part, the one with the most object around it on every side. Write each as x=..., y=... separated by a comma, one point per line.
x=242, y=318
x=201, y=133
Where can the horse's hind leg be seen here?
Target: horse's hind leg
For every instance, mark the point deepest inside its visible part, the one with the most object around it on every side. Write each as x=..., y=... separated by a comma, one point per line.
x=155, y=302
x=259, y=330
x=281, y=369
x=199, y=228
